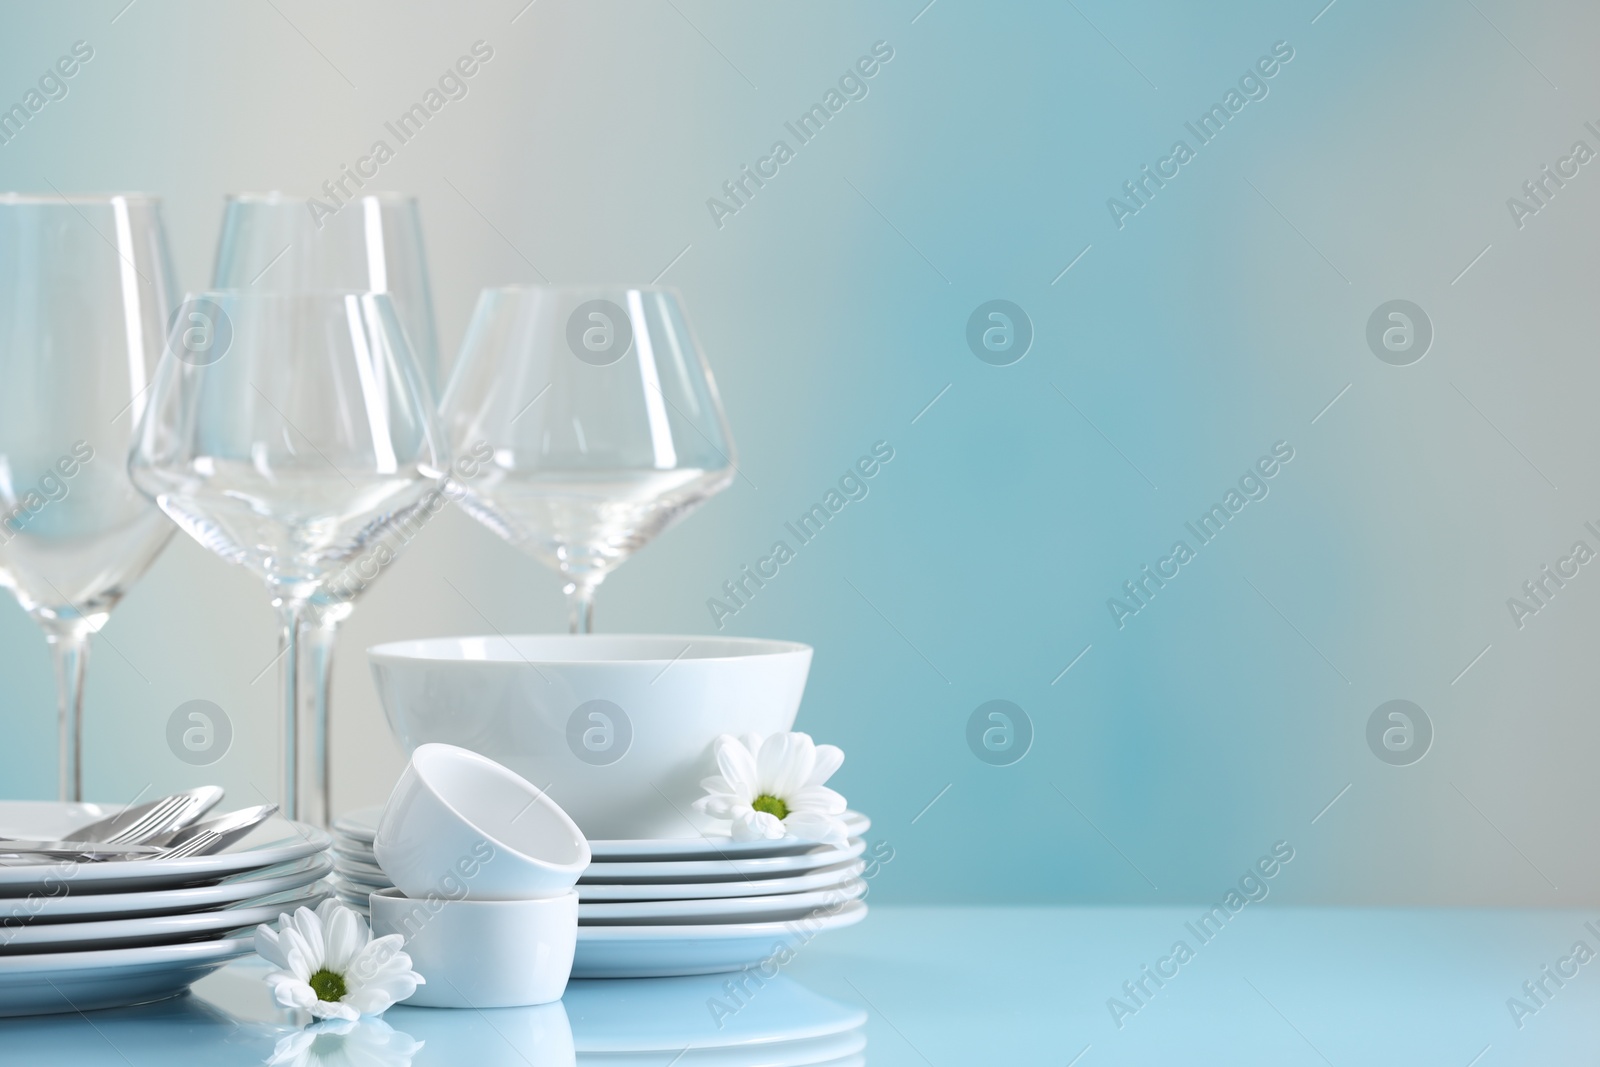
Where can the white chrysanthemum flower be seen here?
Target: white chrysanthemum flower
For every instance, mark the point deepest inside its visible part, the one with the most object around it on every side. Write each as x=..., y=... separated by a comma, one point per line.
x=772, y=787
x=346, y=1043
x=329, y=964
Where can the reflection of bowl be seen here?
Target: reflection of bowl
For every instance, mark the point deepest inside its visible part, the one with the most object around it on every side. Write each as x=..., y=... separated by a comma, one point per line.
x=617, y=727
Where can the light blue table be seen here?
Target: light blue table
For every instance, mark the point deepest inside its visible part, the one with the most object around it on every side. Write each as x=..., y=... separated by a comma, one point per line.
x=948, y=986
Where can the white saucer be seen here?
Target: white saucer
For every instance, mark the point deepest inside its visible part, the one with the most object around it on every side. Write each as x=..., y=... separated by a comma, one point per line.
x=827, y=877
x=360, y=824
x=80, y=906
x=718, y=870
x=156, y=929
x=659, y=951
x=365, y=870
x=274, y=841
x=775, y=908
x=44, y=983
x=713, y=846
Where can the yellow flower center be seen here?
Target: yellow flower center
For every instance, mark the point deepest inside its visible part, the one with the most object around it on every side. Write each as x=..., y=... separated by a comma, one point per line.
x=771, y=805
x=328, y=986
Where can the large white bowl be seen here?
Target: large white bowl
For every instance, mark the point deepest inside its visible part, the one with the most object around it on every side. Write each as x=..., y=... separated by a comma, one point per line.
x=617, y=727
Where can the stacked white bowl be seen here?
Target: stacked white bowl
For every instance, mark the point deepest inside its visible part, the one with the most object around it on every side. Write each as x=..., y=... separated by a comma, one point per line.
x=618, y=731
x=483, y=865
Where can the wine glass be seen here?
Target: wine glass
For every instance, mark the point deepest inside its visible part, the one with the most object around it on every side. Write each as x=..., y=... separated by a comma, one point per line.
x=373, y=242
x=85, y=291
x=602, y=420
x=293, y=433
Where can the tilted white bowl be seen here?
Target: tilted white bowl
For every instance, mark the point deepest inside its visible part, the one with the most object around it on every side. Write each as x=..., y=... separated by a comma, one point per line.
x=617, y=727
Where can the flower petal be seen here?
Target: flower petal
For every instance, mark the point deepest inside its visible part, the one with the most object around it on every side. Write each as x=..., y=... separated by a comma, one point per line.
x=784, y=763
x=323, y=1009
x=829, y=759
x=738, y=766
x=757, y=826
x=815, y=826
x=817, y=798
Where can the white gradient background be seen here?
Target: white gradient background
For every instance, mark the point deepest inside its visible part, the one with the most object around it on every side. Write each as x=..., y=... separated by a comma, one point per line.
x=833, y=309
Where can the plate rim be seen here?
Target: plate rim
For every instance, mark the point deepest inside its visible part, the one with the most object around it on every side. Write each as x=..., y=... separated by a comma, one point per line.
x=181, y=953
x=315, y=872
x=853, y=912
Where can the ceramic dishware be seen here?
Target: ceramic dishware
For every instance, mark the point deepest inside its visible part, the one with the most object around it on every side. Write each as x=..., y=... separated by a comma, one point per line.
x=458, y=824
x=483, y=953
x=618, y=728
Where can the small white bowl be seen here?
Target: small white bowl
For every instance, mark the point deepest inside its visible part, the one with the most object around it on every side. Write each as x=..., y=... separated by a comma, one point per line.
x=458, y=826
x=483, y=953
x=618, y=727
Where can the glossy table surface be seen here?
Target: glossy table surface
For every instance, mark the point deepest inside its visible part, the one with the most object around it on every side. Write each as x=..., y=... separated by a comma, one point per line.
x=972, y=986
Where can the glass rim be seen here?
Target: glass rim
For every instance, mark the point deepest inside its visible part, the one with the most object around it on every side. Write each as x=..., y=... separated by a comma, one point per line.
x=19, y=199
x=274, y=196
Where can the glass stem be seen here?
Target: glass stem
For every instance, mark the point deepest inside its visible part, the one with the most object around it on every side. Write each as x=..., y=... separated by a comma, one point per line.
x=306, y=637
x=69, y=647
x=580, y=604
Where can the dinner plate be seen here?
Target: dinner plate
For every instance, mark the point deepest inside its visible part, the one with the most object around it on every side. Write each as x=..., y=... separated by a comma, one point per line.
x=661, y=951
x=713, y=846
x=66, y=906
x=345, y=864
x=360, y=824
x=43, y=983
x=774, y=908
x=157, y=929
x=827, y=877
x=355, y=831
x=275, y=841
x=719, y=870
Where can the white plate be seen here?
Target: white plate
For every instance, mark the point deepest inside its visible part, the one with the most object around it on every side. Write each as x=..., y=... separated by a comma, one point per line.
x=157, y=929
x=274, y=841
x=343, y=849
x=775, y=908
x=364, y=870
x=360, y=824
x=72, y=907
x=43, y=983
x=713, y=846
x=825, y=878
x=660, y=951
x=720, y=870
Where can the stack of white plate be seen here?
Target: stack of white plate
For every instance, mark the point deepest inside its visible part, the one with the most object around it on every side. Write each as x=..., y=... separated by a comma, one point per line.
x=670, y=906
x=77, y=936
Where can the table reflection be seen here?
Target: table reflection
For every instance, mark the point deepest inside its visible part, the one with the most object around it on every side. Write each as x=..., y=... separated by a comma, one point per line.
x=722, y=1020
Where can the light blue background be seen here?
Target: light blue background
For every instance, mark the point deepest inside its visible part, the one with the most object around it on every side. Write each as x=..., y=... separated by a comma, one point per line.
x=1223, y=318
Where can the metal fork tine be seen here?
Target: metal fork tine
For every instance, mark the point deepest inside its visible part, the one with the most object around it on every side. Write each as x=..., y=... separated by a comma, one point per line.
x=156, y=816
x=192, y=846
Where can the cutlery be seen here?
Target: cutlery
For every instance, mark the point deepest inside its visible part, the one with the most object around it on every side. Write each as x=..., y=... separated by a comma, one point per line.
x=81, y=849
x=213, y=835
x=147, y=821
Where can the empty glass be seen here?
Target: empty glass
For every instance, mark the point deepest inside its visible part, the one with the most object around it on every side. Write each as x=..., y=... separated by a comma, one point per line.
x=293, y=434
x=85, y=291
x=372, y=242
x=602, y=420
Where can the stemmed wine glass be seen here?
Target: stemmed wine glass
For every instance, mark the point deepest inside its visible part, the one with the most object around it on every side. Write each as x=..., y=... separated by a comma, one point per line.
x=85, y=291
x=275, y=243
x=293, y=433
x=602, y=419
